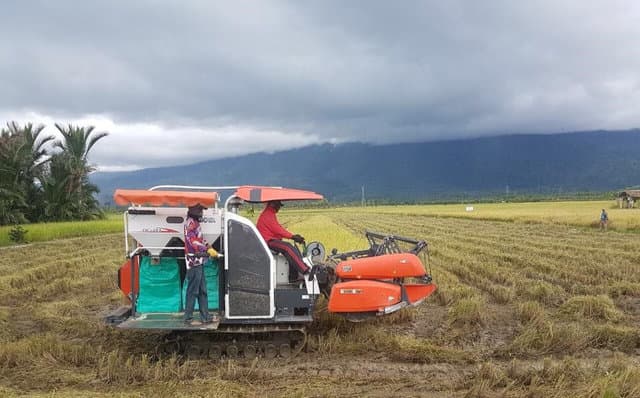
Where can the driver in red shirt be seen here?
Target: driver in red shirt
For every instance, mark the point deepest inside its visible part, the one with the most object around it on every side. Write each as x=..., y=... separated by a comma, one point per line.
x=273, y=233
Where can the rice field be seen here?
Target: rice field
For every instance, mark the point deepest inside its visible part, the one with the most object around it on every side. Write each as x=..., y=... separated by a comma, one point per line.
x=42, y=232
x=583, y=214
x=526, y=306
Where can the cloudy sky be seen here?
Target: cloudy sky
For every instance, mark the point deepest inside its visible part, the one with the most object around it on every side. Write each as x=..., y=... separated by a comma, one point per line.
x=175, y=82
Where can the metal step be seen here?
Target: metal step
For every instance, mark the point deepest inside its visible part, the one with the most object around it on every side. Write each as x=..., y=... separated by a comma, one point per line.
x=165, y=321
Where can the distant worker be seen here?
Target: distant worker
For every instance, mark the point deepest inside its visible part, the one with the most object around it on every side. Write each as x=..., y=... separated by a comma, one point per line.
x=604, y=220
x=273, y=233
x=196, y=250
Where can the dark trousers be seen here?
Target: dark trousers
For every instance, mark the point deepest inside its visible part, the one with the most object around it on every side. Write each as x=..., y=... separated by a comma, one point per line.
x=293, y=256
x=196, y=287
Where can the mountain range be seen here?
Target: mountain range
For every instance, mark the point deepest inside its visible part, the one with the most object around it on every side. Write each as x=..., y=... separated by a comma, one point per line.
x=510, y=164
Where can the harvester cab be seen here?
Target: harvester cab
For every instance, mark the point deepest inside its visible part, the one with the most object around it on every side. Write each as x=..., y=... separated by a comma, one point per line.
x=257, y=310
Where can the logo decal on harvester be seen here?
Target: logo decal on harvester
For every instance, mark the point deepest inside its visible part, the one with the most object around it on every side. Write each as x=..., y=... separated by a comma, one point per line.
x=346, y=268
x=350, y=291
x=160, y=230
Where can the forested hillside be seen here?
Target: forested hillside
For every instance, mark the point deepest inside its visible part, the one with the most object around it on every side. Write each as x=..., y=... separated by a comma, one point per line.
x=572, y=162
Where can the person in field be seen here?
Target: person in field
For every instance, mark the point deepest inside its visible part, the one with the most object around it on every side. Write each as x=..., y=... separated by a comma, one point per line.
x=604, y=220
x=273, y=233
x=195, y=251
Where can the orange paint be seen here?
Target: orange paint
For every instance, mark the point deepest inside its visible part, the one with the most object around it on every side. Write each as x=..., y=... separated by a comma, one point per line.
x=363, y=296
x=258, y=194
x=124, y=276
x=419, y=292
x=374, y=296
x=387, y=266
x=124, y=197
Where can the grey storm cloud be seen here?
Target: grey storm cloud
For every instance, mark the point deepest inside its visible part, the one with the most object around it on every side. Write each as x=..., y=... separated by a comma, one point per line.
x=241, y=77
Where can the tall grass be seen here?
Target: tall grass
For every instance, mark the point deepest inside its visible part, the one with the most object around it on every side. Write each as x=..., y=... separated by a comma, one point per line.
x=597, y=308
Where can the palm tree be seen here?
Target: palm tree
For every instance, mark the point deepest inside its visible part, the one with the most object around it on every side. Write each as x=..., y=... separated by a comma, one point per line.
x=35, y=146
x=69, y=174
x=23, y=152
x=75, y=147
x=44, y=179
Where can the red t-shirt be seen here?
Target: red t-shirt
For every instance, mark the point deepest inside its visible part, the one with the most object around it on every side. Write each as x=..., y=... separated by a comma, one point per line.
x=269, y=227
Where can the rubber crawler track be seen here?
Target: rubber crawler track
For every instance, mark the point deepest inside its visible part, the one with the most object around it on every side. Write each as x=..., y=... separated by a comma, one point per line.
x=235, y=341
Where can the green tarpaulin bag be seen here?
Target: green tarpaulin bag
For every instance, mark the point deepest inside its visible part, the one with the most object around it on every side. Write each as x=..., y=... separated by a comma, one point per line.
x=213, y=285
x=159, y=285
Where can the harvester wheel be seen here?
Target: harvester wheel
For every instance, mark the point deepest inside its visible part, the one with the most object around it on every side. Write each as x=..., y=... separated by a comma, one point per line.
x=285, y=350
x=193, y=351
x=232, y=351
x=270, y=351
x=299, y=345
x=250, y=351
x=215, y=352
x=169, y=348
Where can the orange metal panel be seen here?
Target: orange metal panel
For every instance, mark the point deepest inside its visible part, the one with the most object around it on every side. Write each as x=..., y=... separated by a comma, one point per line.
x=363, y=296
x=124, y=276
x=125, y=197
x=251, y=193
x=387, y=266
x=419, y=292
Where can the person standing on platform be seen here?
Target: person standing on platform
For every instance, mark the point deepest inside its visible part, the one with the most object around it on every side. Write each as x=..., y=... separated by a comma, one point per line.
x=195, y=251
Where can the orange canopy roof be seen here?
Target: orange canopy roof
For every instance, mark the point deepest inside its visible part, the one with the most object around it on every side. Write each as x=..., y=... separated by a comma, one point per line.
x=264, y=194
x=124, y=197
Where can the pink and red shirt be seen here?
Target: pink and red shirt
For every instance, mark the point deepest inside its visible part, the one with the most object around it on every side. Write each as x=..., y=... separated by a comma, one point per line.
x=194, y=243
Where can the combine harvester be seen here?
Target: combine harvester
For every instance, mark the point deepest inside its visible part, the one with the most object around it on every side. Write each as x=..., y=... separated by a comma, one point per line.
x=258, y=311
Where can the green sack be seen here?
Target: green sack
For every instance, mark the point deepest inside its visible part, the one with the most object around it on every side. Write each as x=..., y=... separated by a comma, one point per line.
x=159, y=285
x=213, y=285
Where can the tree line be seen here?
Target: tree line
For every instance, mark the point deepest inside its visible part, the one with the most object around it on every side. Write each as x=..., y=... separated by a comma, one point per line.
x=45, y=177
